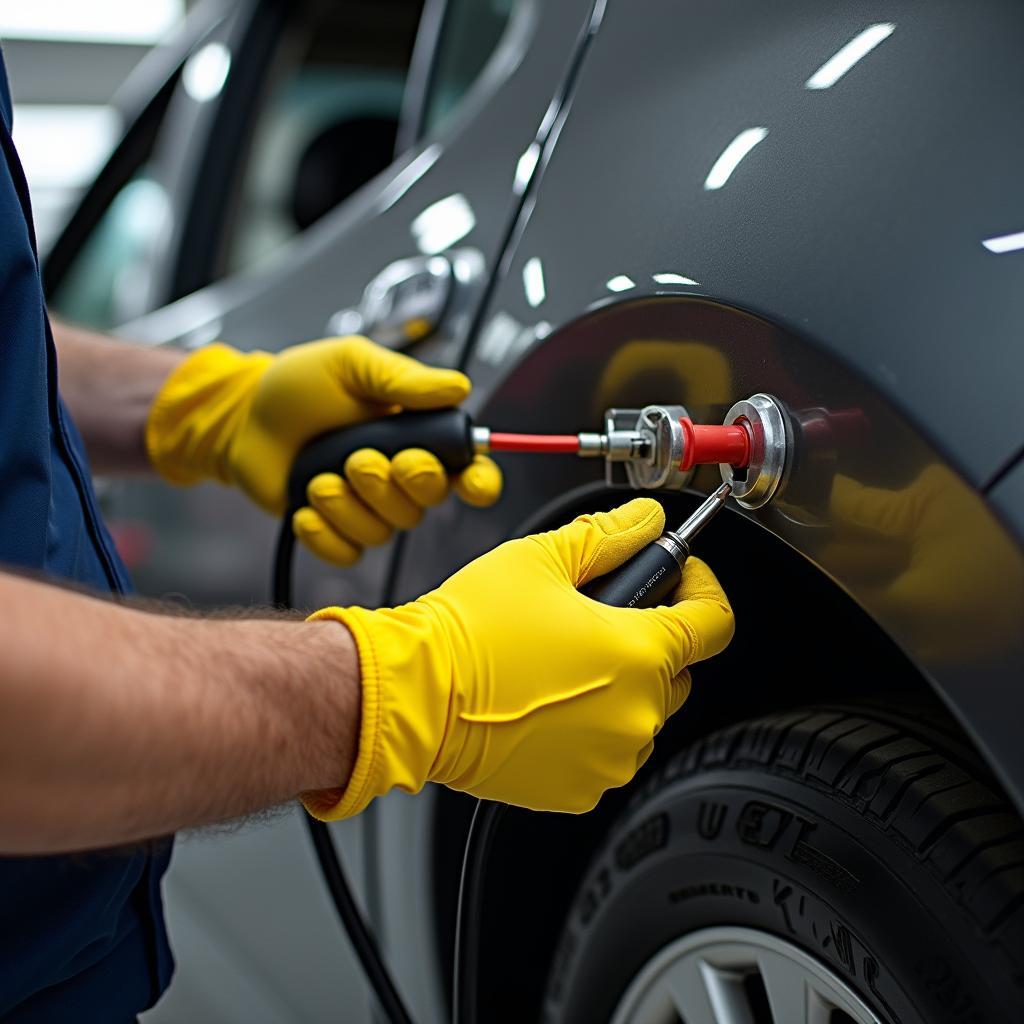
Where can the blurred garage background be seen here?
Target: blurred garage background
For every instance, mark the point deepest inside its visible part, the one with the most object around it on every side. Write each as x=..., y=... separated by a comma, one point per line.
x=66, y=60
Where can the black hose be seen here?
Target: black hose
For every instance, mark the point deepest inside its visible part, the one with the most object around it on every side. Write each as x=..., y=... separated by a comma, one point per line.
x=284, y=552
x=469, y=915
x=362, y=939
x=363, y=942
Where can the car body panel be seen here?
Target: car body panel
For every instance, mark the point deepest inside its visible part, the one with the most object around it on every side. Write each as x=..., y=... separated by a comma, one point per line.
x=827, y=243
x=860, y=216
x=950, y=591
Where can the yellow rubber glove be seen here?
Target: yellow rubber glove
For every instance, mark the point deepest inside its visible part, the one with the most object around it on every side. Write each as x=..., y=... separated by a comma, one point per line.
x=242, y=418
x=509, y=684
x=927, y=560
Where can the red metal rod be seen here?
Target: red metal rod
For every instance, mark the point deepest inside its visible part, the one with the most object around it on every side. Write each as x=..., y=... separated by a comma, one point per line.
x=534, y=442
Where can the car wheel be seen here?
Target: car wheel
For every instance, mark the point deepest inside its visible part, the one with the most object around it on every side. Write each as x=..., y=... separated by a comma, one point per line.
x=824, y=866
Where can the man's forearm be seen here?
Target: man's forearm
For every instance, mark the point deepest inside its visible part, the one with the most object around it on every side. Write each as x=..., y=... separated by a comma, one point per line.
x=118, y=724
x=109, y=387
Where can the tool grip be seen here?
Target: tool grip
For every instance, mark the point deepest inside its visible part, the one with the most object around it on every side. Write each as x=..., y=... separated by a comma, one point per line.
x=648, y=579
x=447, y=433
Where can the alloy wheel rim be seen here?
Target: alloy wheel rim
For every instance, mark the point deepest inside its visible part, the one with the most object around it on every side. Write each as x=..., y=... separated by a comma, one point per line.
x=738, y=976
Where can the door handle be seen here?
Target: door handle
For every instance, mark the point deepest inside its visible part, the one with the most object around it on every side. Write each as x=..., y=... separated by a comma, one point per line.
x=403, y=304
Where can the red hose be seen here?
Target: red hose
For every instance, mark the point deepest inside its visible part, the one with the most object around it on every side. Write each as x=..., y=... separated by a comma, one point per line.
x=534, y=442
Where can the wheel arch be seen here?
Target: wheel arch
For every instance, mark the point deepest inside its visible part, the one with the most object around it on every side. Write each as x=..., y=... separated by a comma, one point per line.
x=539, y=858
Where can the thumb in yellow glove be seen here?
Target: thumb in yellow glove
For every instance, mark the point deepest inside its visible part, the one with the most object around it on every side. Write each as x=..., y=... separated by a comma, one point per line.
x=508, y=683
x=242, y=418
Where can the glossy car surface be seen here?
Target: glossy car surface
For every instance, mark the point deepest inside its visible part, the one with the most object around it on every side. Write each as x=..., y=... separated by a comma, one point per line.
x=650, y=202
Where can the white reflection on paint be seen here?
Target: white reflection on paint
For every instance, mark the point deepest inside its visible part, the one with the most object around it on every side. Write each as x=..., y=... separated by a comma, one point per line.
x=620, y=283
x=668, y=278
x=855, y=50
x=533, y=282
x=501, y=335
x=1005, y=243
x=504, y=338
x=443, y=223
x=723, y=167
x=525, y=167
x=408, y=176
x=206, y=71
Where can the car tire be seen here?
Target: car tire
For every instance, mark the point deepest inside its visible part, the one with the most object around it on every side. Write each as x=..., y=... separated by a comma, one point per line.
x=861, y=848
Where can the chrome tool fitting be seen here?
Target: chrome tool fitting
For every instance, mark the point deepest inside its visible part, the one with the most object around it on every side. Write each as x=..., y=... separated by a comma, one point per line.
x=770, y=444
x=649, y=444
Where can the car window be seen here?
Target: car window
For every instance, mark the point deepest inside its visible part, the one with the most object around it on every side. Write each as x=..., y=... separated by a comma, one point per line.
x=327, y=123
x=101, y=286
x=469, y=35
x=324, y=119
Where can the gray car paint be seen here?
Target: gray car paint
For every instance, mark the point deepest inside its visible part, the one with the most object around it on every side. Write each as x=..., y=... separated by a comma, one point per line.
x=837, y=229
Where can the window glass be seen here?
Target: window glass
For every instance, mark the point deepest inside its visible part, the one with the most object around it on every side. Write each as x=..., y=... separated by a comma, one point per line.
x=105, y=283
x=471, y=31
x=327, y=124
x=325, y=121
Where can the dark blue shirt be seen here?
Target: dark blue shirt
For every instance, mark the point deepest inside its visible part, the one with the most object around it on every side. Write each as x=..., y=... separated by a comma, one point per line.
x=81, y=937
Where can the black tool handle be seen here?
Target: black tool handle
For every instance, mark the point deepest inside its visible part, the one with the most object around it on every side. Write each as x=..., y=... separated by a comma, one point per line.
x=648, y=579
x=448, y=433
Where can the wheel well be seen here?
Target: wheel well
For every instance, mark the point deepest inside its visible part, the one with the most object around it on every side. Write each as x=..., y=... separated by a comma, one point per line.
x=799, y=639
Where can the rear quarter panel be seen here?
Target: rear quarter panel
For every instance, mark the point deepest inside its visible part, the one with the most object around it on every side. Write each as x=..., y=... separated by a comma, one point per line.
x=840, y=266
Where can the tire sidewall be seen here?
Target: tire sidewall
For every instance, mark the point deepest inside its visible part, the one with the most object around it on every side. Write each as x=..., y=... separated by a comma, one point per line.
x=745, y=848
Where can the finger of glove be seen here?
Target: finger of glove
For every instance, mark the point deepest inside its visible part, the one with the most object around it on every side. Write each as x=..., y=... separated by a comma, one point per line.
x=369, y=473
x=340, y=506
x=700, y=623
x=595, y=544
x=421, y=476
x=480, y=483
x=376, y=374
x=316, y=534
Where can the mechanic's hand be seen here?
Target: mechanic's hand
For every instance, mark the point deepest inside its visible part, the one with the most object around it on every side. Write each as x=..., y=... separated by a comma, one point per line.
x=507, y=683
x=242, y=418
x=928, y=558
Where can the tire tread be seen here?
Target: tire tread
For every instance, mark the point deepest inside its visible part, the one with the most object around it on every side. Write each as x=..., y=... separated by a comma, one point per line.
x=908, y=774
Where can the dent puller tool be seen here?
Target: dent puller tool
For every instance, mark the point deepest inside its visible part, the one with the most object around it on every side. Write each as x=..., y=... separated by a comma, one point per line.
x=659, y=448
